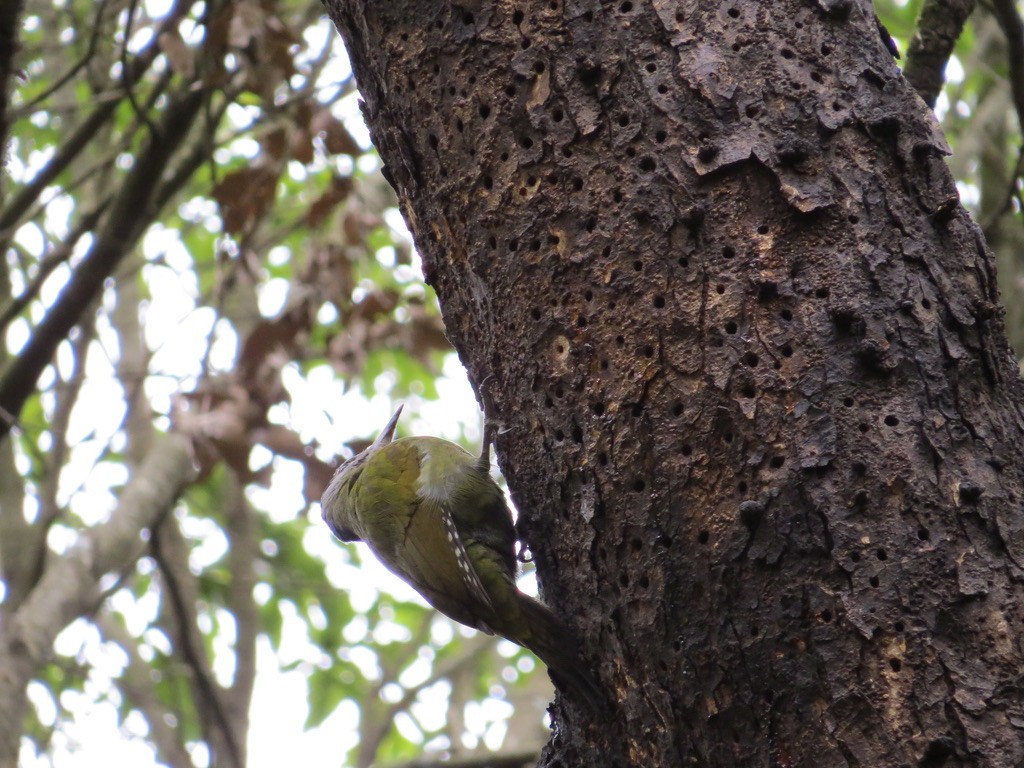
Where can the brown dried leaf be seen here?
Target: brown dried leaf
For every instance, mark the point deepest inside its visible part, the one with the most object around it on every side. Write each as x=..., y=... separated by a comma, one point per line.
x=336, y=192
x=244, y=197
x=337, y=140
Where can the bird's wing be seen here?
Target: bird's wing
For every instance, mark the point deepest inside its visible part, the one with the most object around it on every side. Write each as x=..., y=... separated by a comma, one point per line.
x=437, y=557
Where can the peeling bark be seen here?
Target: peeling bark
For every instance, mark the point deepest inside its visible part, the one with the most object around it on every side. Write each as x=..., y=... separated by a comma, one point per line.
x=762, y=422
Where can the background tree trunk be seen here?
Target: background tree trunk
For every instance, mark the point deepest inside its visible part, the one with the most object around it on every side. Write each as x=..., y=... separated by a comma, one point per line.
x=764, y=429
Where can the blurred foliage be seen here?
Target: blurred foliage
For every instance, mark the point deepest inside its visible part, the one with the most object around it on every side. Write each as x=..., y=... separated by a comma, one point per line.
x=269, y=290
x=271, y=274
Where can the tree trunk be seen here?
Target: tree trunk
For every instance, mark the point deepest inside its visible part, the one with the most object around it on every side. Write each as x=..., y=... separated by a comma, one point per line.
x=763, y=426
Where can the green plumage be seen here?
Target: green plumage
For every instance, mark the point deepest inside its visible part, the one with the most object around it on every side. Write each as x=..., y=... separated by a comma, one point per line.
x=434, y=516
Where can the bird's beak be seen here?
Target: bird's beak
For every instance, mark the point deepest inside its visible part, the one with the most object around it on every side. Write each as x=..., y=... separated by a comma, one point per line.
x=388, y=433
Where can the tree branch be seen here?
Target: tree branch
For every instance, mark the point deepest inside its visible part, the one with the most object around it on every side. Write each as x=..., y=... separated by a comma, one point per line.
x=938, y=27
x=71, y=147
x=137, y=684
x=69, y=586
x=131, y=212
x=242, y=553
x=10, y=16
x=171, y=554
x=1010, y=22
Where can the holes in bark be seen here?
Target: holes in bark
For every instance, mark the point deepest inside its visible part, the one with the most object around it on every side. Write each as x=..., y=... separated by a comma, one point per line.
x=741, y=487
x=686, y=450
x=923, y=534
x=708, y=152
x=751, y=360
x=777, y=462
x=639, y=485
x=855, y=557
x=734, y=13
x=648, y=351
x=826, y=49
x=970, y=493
x=848, y=402
x=517, y=17
x=660, y=137
x=638, y=266
x=577, y=434
x=488, y=182
x=826, y=616
x=859, y=468
x=513, y=245
x=535, y=313
x=731, y=327
x=645, y=582
x=432, y=140
x=786, y=53
x=882, y=555
x=891, y=420
x=786, y=315
x=899, y=626
x=895, y=665
x=863, y=428
x=626, y=7
x=719, y=289
x=873, y=581
x=659, y=302
x=647, y=164
x=751, y=111
x=677, y=410
x=786, y=350
x=926, y=304
x=748, y=391
x=526, y=142
x=821, y=293
x=703, y=537
x=764, y=229
x=557, y=115
x=637, y=410
x=861, y=498
x=728, y=252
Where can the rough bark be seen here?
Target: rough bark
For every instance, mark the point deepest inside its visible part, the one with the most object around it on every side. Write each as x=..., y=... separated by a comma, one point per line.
x=762, y=423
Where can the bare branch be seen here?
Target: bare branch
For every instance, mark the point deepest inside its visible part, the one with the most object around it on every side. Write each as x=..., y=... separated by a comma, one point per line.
x=1010, y=22
x=938, y=27
x=70, y=584
x=137, y=683
x=171, y=554
x=131, y=212
x=60, y=82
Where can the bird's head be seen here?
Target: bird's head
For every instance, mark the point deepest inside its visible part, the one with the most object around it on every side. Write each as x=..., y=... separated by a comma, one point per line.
x=332, y=510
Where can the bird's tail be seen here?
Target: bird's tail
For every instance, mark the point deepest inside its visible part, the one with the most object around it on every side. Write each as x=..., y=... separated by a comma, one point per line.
x=554, y=643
